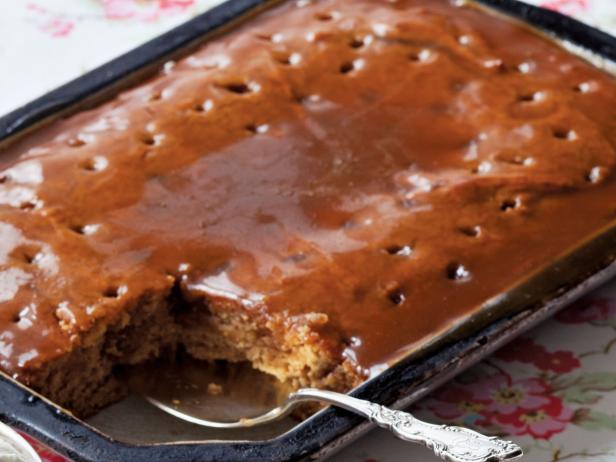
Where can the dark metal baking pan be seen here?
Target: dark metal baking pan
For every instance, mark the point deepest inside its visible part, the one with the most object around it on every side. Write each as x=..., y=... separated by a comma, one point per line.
x=497, y=322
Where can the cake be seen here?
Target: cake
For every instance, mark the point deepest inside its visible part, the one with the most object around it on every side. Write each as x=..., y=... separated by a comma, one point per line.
x=318, y=191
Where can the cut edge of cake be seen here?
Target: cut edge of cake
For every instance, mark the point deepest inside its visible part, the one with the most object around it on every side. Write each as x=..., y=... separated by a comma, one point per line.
x=90, y=375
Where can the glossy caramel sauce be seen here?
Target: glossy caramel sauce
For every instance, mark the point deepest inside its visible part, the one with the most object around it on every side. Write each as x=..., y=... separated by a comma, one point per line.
x=389, y=164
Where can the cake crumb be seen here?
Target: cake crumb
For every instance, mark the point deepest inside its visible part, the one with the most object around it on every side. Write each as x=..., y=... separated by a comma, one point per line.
x=214, y=389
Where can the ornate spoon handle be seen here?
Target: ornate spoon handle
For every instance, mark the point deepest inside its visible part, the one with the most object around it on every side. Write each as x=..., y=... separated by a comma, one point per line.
x=451, y=443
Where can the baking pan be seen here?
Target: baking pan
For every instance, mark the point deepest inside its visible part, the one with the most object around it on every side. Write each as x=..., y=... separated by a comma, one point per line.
x=498, y=321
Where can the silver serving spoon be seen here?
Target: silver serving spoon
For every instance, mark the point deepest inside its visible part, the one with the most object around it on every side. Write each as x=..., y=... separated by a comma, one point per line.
x=236, y=396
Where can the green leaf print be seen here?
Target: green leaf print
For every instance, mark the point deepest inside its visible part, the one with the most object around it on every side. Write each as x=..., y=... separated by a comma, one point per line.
x=578, y=396
x=582, y=389
x=593, y=421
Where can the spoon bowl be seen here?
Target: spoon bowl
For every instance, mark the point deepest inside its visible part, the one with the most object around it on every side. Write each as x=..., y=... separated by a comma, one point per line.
x=212, y=394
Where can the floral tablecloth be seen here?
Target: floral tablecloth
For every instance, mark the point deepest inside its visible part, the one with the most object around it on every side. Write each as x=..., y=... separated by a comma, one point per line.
x=553, y=391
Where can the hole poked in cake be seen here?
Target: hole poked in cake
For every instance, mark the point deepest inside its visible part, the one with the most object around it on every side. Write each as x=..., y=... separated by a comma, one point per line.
x=305, y=99
x=155, y=96
x=394, y=292
x=31, y=256
x=421, y=56
x=397, y=296
x=28, y=254
x=239, y=87
x=287, y=59
x=532, y=97
x=350, y=66
x=24, y=316
x=76, y=142
x=256, y=129
x=94, y=164
x=148, y=140
x=525, y=67
x=464, y=40
x=470, y=231
x=483, y=168
x=584, y=87
x=203, y=106
x=515, y=159
x=564, y=134
x=495, y=65
x=114, y=291
x=28, y=205
x=510, y=204
x=357, y=42
x=326, y=15
x=274, y=38
x=399, y=250
x=456, y=271
x=595, y=175
x=84, y=229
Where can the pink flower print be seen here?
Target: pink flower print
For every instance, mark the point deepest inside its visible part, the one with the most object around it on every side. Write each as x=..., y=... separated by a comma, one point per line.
x=175, y=4
x=453, y=403
x=541, y=422
x=501, y=395
x=54, y=24
x=477, y=403
x=119, y=9
x=522, y=349
x=589, y=310
x=566, y=6
x=58, y=27
x=558, y=361
x=527, y=351
x=60, y=24
x=131, y=9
